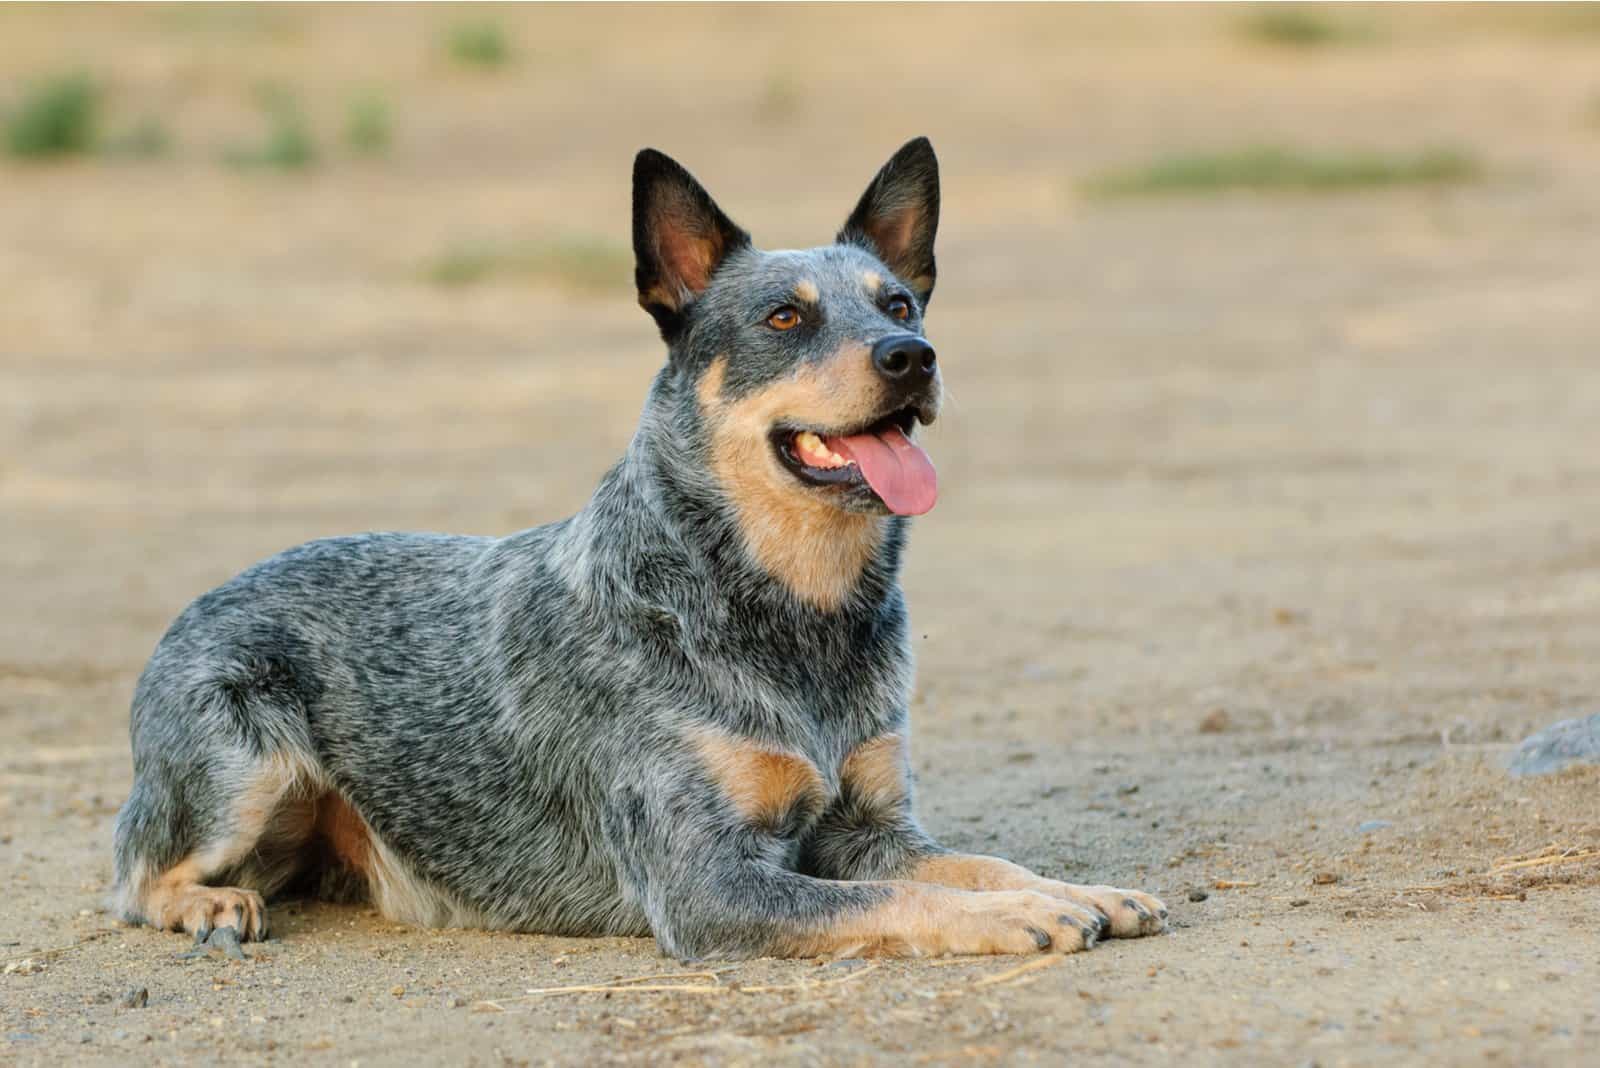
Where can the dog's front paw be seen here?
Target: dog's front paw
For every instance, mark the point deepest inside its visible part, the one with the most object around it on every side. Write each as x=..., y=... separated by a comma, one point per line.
x=1128, y=913
x=201, y=909
x=1021, y=921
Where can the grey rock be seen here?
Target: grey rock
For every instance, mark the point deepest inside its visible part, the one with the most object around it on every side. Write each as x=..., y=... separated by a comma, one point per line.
x=1373, y=825
x=1560, y=745
x=137, y=998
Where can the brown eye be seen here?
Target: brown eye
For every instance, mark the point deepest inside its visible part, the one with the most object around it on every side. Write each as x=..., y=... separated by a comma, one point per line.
x=900, y=307
x=785, y=318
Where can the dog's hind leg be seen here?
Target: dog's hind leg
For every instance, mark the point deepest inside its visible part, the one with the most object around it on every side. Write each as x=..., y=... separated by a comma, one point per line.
x=220, y=813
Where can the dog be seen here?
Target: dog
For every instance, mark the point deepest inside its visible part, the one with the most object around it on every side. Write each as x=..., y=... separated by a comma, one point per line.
x=680, y=713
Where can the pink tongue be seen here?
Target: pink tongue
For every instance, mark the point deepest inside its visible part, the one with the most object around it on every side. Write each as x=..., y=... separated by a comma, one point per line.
x=896, y=469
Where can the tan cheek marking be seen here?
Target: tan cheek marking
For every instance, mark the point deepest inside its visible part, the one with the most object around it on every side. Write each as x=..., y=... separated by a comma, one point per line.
x=806, y=292
x=765, y=785
x=872, y=280
x=875, y=772
x=709, y=391
x=816, y=550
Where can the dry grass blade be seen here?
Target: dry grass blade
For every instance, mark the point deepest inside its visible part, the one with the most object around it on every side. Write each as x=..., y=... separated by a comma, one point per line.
x=1020, y=970
x=644, y=984
x=1565, y=856
x=56, y=951
x=632, y=979
x=1233, y=884
x=499, y=1004
x=809, y=985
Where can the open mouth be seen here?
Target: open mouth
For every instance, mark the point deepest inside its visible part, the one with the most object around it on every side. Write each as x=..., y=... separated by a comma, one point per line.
x=880, y=459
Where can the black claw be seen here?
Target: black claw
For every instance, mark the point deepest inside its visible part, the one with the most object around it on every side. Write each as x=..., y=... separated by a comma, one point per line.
x=238, y=917
x=1162, y=914
x=1135, y=906
x=202, y=932
x=1103, y=922
x=1040, y=938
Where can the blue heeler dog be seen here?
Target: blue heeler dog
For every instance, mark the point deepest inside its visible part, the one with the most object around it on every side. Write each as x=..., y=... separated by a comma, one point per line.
x=679, y=713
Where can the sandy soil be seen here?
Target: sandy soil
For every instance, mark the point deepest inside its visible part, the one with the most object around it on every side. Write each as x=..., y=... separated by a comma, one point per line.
x=1268, y=523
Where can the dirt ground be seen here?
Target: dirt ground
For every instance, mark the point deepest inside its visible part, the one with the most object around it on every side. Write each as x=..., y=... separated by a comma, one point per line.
x=1268, y=522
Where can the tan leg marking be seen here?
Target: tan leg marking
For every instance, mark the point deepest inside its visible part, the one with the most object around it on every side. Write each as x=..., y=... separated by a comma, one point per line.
x=275, y=802
x=876, y=772
x=178, y=902
x=347, y=835
x=765, y=785
x=1130, y=912
x=931, y=921
x=816, y=550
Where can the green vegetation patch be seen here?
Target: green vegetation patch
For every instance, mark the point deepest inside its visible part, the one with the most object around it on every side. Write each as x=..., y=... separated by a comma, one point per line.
x=478, y=44
x=368, y=129
x=1277, y=169
x=582, y=263
x=56, y=118
x=1296, y=26
x=288, y=145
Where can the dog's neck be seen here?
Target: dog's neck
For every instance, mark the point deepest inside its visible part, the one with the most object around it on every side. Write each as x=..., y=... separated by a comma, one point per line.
x=660, y=523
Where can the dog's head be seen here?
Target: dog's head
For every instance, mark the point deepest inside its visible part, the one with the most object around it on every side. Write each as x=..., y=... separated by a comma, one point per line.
x=808, y=369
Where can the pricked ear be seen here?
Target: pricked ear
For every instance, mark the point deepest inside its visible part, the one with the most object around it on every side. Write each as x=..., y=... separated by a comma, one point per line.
x=899, y=214
x=680, y=237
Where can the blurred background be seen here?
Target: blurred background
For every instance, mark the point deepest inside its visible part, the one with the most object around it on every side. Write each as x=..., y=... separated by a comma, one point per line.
x=1249, y=306
x=1272, y=336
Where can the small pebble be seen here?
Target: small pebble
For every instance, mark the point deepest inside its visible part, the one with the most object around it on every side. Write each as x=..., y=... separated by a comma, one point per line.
x=1572, y=741
x=1373, y=825
x=1299, y=901
x=137, y=998
x=1198, y=895
x=1324, y=878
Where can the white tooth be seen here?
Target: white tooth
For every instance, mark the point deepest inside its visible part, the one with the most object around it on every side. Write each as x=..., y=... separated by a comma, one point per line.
x=809, y=442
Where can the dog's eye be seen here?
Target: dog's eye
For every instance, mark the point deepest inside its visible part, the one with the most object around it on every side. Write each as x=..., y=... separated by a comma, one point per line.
x=900, y=307
x=785, y=318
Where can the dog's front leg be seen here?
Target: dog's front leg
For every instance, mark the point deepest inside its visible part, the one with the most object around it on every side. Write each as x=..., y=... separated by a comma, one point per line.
x=708, y=866
x=871, y=832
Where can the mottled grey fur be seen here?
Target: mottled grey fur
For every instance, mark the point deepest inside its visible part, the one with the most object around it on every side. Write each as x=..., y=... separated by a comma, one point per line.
x=510, y=715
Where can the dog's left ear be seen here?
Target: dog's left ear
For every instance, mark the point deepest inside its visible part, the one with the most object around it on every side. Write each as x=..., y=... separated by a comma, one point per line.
x=899, y=214
x=680, y=237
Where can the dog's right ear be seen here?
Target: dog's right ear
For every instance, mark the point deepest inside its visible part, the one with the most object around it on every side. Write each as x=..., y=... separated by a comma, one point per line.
x=680, y=237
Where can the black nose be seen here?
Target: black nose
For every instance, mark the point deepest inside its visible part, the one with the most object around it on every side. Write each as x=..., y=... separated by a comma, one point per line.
x=905, y=360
